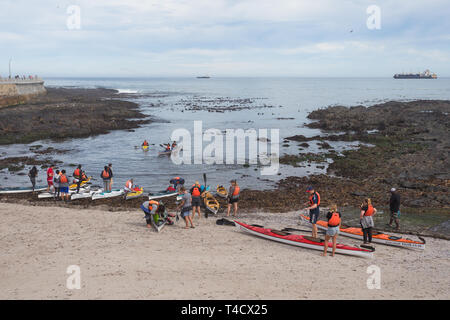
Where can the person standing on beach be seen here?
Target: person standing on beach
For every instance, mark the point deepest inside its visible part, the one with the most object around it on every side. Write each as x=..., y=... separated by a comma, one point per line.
x=334, y=224
x=106, y=177
x=78, y=177
x=233, y=198
x=314, y=209
x=56, y=180
x=394, y=208
x=186, y=207
x=367, y=212
x=64, y=185
x=33, y=174
x=110, y=176
x=50, y=177
x=195, y=193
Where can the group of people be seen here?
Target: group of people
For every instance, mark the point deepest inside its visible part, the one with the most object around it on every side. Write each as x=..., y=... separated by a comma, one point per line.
x=170, y=147
x=367, y=211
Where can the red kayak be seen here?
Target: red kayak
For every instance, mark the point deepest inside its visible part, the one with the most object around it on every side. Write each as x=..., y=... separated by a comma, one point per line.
x=302, y=241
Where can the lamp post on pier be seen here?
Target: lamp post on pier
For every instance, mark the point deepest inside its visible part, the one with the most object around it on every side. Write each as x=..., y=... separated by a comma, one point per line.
x=10, y=67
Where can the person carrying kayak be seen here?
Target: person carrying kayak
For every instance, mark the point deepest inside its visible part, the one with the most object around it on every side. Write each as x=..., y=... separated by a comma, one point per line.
x=177, y=182
x=105, y=175
x=186, y=207
x=314, y=209
x=32, y=174
x=78, y=177
x=56, y=180
x=155, y=209
x=50, y=177
x=233, y=197
x=367, y=212
x=196, y=199
x=334, y=224
x=64, y=186
x=128, y=186
x=394, y=208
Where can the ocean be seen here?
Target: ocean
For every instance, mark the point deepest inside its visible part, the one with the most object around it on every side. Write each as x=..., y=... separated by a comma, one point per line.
x=275, y=104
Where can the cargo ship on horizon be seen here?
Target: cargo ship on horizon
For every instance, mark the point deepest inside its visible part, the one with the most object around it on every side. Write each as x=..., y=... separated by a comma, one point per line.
x=423, y=75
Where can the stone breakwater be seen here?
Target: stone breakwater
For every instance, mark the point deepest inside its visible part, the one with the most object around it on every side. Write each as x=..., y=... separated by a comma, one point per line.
x=13, y=92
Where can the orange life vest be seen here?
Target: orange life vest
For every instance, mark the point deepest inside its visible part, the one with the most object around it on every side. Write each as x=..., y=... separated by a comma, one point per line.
x=335, y=220
x=196, y=190
x=128, y=184
x=83, y=176
x=77, y=173
x=145, y=143
x=105, y=174
x=311, y=198
x=63, y=179
x=237, y=190
x=152, y=203
x=369, y=211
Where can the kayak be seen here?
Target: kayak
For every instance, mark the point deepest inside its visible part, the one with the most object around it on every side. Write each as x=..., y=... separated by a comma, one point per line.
x=137, y=192
x=165, y=153
x=108, y=194
x=222, y=192
x=21, y=190
x=47, y=195
x=162, y=194
x=159, y=225
x=302, y=241
x=84, y=195
x=145, y=148
x=377, y=237
x=210, y=202
x=74, y=185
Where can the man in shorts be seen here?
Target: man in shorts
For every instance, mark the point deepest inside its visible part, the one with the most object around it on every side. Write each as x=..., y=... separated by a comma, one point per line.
x=186, y=207
x=314, y=209
x=196, y=195
x=394, y=208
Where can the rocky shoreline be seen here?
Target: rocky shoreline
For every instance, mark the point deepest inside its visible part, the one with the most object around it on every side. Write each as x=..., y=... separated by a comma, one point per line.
x=68, y=113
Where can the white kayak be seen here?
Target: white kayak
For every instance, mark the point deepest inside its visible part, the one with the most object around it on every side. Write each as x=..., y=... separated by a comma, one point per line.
x=84, y=195
x=162, y=194
x=21, y=190
x=108, y=194
x=47, y=195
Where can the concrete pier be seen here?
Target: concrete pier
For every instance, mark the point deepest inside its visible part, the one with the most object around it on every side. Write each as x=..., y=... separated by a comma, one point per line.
x=17, y=91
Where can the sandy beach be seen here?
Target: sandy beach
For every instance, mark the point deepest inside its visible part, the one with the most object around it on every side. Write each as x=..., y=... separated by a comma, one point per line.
x=120, y=258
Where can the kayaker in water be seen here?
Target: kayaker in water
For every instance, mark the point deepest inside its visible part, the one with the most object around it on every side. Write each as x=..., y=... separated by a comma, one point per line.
x=145, y=143
x=64, y=186
x=174, y=144
x=394, y=208
x=78, y=177
x=233, y=197
x=110, y=176
x=367, y=212
x=314, y=209
x=168, y=147
x=186, y=207
x=196, y=199
x=32, y=174
x=50, y=177
x=105, y=175
x=128, y=186
x=334, y=224
x=56, y=184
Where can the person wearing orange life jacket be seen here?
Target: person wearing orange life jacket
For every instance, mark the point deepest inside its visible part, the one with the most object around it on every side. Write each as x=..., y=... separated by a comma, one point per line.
x=334, y=224
x=168, y=147
x=129, y=186
x=64, y=185
x=106, y=176
x=145, y=143
x=196, y=199
x=233, y=197
x=314, y=209
x=153, y=209
x=366, y=220
x=78, y=177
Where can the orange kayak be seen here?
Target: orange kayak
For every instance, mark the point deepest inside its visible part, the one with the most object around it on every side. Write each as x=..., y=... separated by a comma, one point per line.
x=377, y=237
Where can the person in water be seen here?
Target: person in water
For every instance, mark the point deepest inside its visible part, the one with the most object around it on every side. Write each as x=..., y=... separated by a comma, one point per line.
x=145, y=143
x=314, y=209
x=366, y=221
x=196, y=199
x=233, y=198
x=334, y=224
x=394, y=208
x=32, y=174
x=174, y=144
x=168, y=147
x=186, y=207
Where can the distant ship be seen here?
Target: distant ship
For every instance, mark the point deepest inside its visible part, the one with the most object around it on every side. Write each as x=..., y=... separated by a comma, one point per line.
x=203, y=77
x=424, y=75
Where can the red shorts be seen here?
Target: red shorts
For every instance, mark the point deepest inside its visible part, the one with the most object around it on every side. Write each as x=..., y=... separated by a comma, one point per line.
x=50, y=183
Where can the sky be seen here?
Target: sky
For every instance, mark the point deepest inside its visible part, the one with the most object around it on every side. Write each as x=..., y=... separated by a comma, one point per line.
x=256, y=38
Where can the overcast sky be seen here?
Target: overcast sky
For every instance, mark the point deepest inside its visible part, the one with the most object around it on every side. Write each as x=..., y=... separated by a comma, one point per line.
x=148, y=38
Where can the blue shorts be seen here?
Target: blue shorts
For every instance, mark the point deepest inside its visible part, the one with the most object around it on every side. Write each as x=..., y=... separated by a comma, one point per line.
x=314, y=216
x=64, y=189
x=184, y=214
x=332, y=231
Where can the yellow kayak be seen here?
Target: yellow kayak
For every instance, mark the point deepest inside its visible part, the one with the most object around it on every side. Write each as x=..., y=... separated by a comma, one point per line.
x=74, y=185
x=137, y=192
x=145, y=148
x=222, y=192
x=210, y=202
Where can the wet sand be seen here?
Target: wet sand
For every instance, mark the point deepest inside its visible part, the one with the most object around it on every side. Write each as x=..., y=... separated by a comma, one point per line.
x=121, y=259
